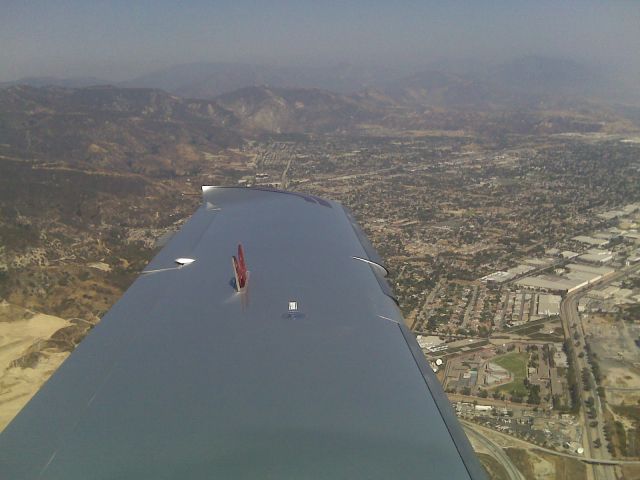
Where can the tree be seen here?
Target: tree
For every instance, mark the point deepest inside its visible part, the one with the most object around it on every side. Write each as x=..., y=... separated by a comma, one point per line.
x=534, y=395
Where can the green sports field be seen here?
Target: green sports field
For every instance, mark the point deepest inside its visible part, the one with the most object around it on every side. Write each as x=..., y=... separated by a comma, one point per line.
x=516, y=363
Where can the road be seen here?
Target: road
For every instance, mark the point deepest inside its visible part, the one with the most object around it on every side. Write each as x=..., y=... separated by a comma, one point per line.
x=568, y=316
x=496, y=452
x=574, y=333
x=423, y=316
x=284, y=180
x=524, y=444
x=470, y=307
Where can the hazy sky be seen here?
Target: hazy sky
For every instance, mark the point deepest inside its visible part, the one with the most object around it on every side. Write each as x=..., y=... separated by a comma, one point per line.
x=121, y=39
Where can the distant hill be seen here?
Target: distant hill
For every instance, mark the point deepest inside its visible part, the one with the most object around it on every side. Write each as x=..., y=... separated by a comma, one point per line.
x=547, y=75
x=297, y=110
x=522, y=81
x=150, y=131
x=207, y=80
x=73, y=82
x=437, y=88
x=530, y=82
x=137, y=130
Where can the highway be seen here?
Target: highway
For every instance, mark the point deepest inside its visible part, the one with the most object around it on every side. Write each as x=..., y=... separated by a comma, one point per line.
x=524, y=444
x=570, y=323
x=496, y=451
x=574, y=333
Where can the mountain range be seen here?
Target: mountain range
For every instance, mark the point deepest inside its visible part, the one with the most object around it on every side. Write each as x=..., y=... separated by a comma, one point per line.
x=439, y=83
x=162, y=129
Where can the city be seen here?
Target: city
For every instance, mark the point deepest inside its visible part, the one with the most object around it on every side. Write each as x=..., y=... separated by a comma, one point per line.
x=472, y=312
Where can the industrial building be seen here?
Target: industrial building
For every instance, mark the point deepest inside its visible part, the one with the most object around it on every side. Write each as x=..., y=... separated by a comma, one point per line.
x=597, y=256
x=575, y=277
x=529, y=265
x=593, y=241
x=497, y=278
x=548, y=304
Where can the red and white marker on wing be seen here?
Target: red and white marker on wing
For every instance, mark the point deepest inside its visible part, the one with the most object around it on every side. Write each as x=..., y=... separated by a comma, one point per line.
x=240, y=269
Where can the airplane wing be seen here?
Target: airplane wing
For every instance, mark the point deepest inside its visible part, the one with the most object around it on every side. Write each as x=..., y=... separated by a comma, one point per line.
x=306, y=371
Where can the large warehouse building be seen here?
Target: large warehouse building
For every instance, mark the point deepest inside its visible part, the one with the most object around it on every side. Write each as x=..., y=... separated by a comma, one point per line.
x=576, y=277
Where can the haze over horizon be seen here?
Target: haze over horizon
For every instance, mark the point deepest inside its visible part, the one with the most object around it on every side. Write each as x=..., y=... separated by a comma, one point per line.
x=118, y=41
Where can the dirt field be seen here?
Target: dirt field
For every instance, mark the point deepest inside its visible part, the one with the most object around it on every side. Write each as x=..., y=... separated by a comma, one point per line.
x=522, y=460
x=24, y=367
x=545, y=466
x=493, y=467
x=564, y=468
x=619, y=357
x=631, y=472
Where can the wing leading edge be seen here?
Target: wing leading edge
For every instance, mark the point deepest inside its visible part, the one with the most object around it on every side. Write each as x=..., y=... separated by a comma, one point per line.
x=306, y=372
